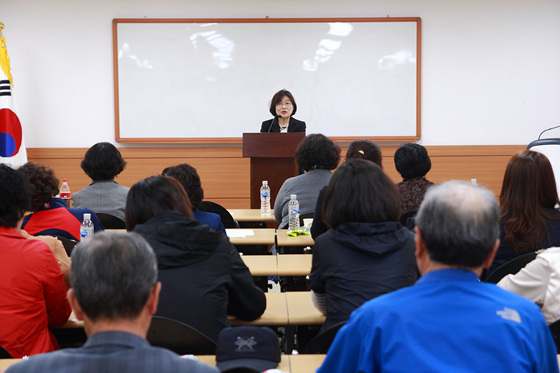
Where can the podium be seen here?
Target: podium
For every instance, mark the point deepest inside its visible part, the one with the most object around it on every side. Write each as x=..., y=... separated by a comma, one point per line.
x=272, y=159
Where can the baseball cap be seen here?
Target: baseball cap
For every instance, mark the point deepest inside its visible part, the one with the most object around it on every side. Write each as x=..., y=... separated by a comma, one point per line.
x=250, y=347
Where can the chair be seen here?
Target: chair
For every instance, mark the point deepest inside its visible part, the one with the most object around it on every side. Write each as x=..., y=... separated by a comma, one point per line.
x=5, y=354
x=511, y=267
x=555, y=331
x=322, y=341
x=179, y=337
x=226, y=217
x=68, y=244
x=407, y=219
x=110, y=221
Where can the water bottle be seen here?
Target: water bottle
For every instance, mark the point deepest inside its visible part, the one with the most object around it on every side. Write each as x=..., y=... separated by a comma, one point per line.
x=86, y=229
x=65, y=192
x=265, y=199
x=293, y=213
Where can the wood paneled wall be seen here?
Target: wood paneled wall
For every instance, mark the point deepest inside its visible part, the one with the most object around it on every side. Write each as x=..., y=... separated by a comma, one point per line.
x=225, y=173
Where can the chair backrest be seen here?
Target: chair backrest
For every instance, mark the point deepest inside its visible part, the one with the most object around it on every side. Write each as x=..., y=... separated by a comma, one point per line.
x=226, y=217
x=511, y=267
x=321, y=342
x=555, y=331
x=110, y=222
x=68, y=244
x=5, y=354
x=408, y=219
x=179, y=337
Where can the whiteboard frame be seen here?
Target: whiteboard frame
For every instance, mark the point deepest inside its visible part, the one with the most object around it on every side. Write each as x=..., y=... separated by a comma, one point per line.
x=238, y=140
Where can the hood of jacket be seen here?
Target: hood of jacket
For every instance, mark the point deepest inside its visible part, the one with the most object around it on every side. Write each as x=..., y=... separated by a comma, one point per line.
x=375, y=239
x=179, y=240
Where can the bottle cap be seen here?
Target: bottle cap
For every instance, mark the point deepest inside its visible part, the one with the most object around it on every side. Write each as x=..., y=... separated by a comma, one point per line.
x=293, y=196
x=87, y=216
x=265, y=182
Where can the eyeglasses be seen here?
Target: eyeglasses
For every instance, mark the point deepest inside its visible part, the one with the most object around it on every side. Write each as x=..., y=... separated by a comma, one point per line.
x=284, y=104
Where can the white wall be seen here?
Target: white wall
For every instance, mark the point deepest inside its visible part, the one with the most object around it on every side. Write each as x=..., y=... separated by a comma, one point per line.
x=490, y=68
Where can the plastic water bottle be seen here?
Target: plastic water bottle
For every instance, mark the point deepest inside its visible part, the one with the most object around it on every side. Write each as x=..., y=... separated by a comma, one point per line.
x=65, y=192
x=265, y=199
x=293, y=213
x=86, y=229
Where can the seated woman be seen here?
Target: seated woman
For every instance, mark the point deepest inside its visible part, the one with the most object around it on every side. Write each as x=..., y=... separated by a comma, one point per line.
x=367, y=252
x=33, y=295
x=203, y=276
x=413, y=163
x=539, y=281
x=358, y=149
x=102, y=163
x=529, y=220
x=317, y=155
x=189, y=179
x=50, y=215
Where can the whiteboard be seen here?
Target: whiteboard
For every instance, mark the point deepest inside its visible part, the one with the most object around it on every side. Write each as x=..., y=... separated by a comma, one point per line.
x=209, y=81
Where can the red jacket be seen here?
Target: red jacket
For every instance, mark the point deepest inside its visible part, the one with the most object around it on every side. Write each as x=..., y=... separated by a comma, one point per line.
x=32, y=295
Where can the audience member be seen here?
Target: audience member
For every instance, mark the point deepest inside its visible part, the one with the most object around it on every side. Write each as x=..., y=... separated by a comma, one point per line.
x=358, y=149
x=539, y=281
x=367, y=252
x=50, y=214
x=203, y=276
x=189, y=179
x=317, y=155
x=33, y=293
x=102, y=163
x=529, y=220
x=413, y=163
x=448, y=321
x=115, y=292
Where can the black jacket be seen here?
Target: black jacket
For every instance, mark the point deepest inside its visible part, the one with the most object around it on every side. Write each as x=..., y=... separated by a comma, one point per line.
x=295, y=126
x=203, y=277
x=356, y=262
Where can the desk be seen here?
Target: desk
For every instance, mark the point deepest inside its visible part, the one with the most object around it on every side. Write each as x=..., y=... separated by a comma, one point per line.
x=294, y=264
x=251, y=215
x=301, y=310
x=276, y=313
x=288, y=363
x=260, y=236
x=261, y=265
x=283, y=239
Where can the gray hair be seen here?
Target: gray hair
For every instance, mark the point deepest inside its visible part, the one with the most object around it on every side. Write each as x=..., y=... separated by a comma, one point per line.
x=113, y=274
x=459, y=223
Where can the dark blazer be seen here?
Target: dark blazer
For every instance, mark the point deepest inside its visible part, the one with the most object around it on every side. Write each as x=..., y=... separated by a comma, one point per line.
x=295, y=126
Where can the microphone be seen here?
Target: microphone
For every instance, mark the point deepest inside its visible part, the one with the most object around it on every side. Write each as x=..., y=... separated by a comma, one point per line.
x=271, y=123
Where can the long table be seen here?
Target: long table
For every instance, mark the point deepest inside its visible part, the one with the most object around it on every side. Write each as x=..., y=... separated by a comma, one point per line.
x=258, y=236
x=278, y=265
x=251, y=215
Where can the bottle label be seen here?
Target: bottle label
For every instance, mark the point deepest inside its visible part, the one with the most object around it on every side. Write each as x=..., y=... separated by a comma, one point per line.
x=264, y=194
x=64, y=195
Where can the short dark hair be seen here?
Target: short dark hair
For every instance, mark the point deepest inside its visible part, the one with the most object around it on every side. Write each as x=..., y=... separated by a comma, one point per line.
x=15, y=197
x=359, y=191
x=153, y=196
x=364, y=149
x=43, y=183
x=189, y=179
x=459, y=223
x=278, y=96
x=412, y=160
x=317, y=151
x=103, y=161
x=113, y=275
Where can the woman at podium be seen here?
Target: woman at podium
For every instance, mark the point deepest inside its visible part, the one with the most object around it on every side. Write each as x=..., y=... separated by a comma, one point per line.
x=282, y=107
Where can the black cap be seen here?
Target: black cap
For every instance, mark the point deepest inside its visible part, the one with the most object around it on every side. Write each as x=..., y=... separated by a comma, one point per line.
x=250, y=347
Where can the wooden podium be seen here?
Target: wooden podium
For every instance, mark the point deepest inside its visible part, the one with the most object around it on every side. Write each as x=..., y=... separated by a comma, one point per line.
x=272, y=159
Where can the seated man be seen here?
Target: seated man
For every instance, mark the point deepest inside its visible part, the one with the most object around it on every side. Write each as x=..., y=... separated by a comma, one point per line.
x=115, y=291
x=448, y=321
